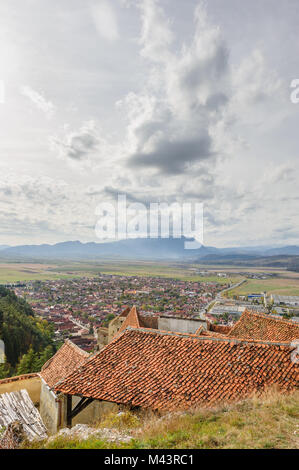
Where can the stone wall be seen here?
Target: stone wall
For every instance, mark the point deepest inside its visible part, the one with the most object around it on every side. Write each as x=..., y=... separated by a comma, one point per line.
x=114, y=326
x=102, y=337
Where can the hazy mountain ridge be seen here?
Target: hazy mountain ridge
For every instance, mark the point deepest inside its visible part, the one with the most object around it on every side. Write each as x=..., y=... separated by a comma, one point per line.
x=144, y=248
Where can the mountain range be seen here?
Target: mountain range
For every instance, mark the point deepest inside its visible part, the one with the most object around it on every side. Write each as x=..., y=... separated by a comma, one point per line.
x=141, y=248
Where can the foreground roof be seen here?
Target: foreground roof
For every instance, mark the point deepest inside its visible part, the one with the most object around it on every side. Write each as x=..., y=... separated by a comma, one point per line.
x=67, y=358
x=264, y=327
x=162, y=370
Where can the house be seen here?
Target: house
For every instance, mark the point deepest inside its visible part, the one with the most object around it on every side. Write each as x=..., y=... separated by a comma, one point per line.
x=132, y=317
x=146, y=367
x=65, y=361
x=39, y=385
x=162, y=370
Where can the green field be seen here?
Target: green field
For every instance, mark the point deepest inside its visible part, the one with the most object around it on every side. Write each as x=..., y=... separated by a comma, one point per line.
x=14, y=272
x=285, y=283
x=280, y=285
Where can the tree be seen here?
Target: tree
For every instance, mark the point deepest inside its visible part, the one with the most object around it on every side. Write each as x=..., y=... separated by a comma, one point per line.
x=27, y=363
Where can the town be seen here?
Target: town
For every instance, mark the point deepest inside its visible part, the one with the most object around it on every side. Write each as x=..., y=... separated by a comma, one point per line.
x=78, y=307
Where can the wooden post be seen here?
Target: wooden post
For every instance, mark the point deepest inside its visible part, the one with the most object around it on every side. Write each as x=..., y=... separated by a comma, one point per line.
x=69, y=411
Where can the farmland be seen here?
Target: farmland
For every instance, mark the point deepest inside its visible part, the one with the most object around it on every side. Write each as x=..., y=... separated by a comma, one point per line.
x=279, y=285
x=284, y=282
x=15, y=272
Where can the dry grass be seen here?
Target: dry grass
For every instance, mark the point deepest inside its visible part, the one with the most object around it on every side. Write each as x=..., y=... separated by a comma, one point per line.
x=270, y=421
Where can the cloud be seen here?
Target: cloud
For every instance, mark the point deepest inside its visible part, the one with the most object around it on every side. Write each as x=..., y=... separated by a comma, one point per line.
x=190, y=125
x=104, y=18
x=39, y=101
x=78, y=145
x=173, y=157
x=156, y=35
x=44, y=209
x=172, y=123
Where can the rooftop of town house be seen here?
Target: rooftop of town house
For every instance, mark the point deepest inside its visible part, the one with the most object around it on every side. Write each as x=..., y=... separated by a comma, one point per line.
x=170, y=371
x=132, y=319
x=264, y=327
x=213, y=334
x=137, y=320
x=66, y=359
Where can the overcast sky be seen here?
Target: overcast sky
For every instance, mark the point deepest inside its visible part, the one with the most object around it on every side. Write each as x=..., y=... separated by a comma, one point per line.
x=161, y=100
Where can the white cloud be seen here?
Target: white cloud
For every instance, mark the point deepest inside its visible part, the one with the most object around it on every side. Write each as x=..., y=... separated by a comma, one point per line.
x=77, y=145
x=105, y=20
x=39, y=101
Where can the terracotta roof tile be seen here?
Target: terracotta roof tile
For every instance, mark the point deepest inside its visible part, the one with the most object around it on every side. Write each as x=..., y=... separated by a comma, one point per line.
x=132, y=320
x=264, y=327
x=223, y=329
x=163, y=370
x=67, y=358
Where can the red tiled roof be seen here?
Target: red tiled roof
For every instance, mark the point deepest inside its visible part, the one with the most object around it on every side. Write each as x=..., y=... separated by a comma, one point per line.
x=202, y=332
x=264, y=327
x=162, y=370
x=125, y=312
x=223, y=329
x=67, y=358
x=132, y=320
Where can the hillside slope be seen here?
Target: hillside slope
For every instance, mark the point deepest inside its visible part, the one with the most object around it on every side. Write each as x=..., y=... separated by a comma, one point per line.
x=270, y=421
x=22, y=332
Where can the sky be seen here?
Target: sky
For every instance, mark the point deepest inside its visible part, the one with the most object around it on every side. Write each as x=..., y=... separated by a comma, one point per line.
x=158, y=100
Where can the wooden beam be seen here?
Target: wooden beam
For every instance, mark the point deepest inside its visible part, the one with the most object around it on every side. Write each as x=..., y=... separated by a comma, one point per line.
x=69, y=411
x=83, y=403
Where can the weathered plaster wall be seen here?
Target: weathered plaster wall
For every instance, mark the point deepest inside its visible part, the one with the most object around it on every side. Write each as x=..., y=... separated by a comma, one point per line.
x=15, y=384
x=91, y=414
x=181, y=325
x=49, y=408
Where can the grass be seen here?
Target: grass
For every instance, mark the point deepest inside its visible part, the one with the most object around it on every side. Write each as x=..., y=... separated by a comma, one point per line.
x=280, y=286
x=14, y=272
x=266, y=422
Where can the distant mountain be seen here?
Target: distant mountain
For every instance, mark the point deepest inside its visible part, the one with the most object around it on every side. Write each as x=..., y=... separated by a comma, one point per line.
x=286, y=250
x=143, y=249
x=139, y=248
x=290, y=262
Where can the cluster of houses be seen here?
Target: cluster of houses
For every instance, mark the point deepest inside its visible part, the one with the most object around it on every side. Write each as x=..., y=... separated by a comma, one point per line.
x=160, y=364
x=78, y=307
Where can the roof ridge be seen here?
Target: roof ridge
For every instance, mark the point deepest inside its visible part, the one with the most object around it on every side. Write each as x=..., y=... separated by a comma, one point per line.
x=209, y=338
x=75, y=346
x=269, y=317
x=67, y=342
